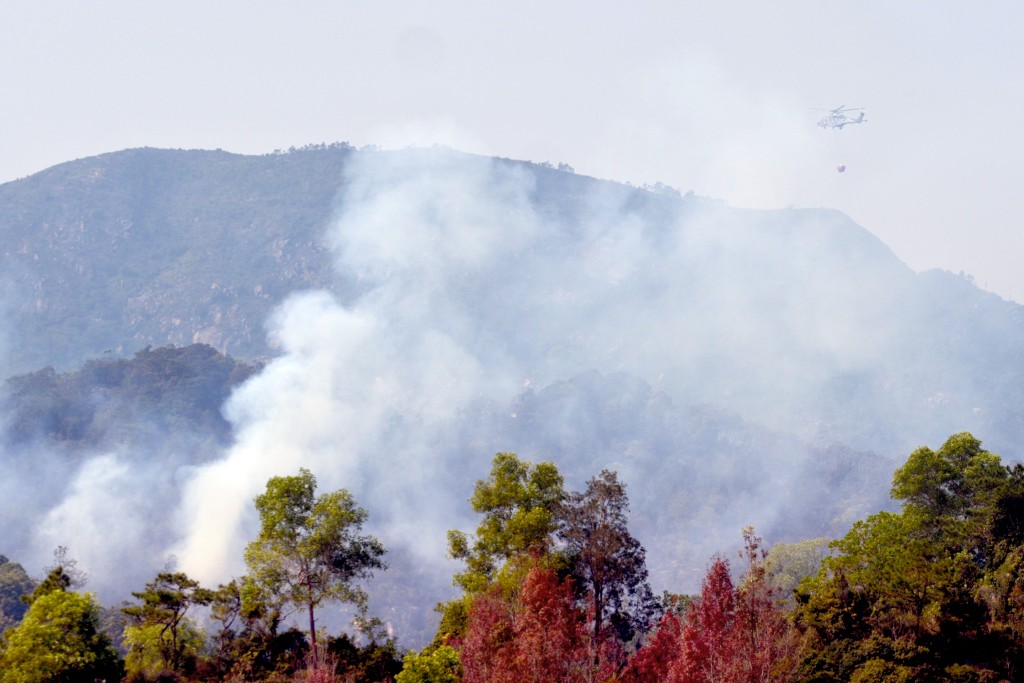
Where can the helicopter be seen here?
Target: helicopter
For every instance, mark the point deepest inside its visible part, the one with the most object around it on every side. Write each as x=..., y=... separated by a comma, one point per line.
x=837, y=118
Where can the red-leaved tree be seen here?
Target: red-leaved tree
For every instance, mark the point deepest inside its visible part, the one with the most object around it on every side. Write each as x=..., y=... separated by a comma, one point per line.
x=652, y=662
x=707, y=643
x=487, y=649
x=536, y=637
x=763, y=640
x=550, y=641
x=736, y=634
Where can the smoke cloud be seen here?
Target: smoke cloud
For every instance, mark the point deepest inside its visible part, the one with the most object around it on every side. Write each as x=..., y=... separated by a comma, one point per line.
x=367, y=395
x=471, y=299
x=713, y=356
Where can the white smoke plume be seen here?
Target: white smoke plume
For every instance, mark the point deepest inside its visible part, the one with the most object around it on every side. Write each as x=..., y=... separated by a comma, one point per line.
x=362, y=395
x=486, y=305
x=466, y=295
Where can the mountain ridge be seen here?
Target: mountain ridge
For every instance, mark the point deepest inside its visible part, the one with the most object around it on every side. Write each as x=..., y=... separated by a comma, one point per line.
x=149, y=247
x=420, y=310
x=142, y=217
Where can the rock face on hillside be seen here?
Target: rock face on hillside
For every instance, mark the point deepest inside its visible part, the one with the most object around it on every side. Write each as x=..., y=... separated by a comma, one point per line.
x=154, y=247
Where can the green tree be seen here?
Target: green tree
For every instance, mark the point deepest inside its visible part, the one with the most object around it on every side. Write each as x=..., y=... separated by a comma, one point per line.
x=438, y=665
x=245, y=643
x=160, y=622
x=148, y=649
x=952, y=494
x=930, y=592
x=59, y=641
x=887, y=596
x=519, y=502
x=309, y=549
x=790, y=563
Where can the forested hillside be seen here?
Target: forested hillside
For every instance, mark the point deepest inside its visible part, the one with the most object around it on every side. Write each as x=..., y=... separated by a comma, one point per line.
x=183, y=327
x=154, y=247
x=109, y=403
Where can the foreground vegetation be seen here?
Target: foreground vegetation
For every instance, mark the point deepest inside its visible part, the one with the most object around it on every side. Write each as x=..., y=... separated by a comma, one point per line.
x=555, y=588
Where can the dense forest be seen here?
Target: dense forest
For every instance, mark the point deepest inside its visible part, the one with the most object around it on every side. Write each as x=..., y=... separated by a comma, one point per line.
x=554, y=587
x=169, y=390
x=537, y=267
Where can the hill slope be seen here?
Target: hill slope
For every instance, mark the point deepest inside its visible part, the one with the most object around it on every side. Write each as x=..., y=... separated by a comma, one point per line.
x=425, y=309
x=155, y=247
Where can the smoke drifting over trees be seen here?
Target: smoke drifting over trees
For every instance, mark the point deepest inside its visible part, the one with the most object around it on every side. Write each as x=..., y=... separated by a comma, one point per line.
x=719, y=360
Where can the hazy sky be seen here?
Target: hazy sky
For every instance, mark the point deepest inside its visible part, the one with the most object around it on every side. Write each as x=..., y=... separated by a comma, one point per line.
x=710, y=97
